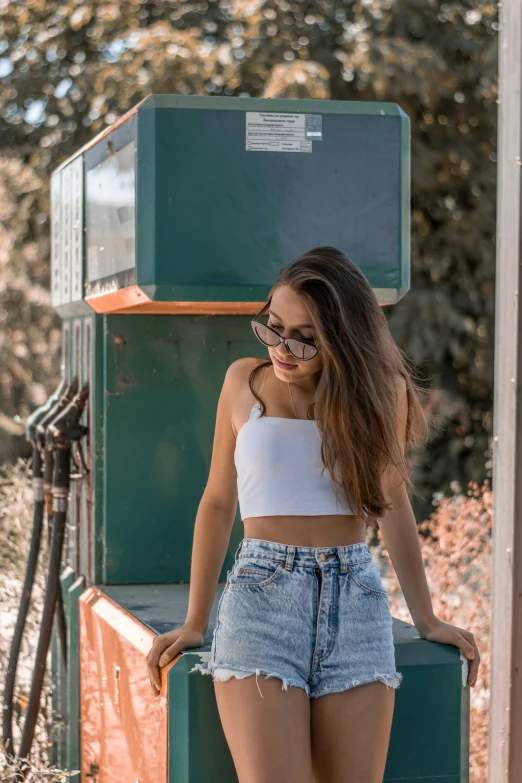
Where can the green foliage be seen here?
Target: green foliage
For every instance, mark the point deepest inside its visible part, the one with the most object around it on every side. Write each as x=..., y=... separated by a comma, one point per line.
x=69, y=68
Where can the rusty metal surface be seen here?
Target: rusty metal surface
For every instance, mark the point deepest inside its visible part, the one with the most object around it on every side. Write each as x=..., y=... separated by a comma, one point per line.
x=196, y=308
x=133, y=300
x=123, y=726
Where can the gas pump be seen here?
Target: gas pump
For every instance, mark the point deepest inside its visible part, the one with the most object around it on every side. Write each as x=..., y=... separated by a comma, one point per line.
x=168, y=229
x=56, y=425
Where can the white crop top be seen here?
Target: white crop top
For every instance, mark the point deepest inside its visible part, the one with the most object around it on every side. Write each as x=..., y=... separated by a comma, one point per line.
x=280, y=471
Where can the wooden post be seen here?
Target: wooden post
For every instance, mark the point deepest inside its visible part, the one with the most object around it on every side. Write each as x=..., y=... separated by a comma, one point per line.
x=505, y=724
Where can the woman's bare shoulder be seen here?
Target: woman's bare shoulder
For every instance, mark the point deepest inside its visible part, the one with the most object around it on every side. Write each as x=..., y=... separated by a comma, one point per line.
x=241, y=368
x=236, y=385
x=236, y=396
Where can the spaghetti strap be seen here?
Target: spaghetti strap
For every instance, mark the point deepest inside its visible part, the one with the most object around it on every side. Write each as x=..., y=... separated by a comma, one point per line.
x=255, y=411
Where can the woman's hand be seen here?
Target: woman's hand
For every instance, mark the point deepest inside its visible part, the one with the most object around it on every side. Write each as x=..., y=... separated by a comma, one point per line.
x=166, y=647
x=440, y=631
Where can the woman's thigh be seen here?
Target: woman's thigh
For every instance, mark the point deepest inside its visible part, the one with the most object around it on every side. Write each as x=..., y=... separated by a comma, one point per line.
x=350, y=733
x=268, y=735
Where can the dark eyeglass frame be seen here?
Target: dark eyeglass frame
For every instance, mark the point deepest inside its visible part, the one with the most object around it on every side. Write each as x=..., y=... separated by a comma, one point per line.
x=284, y=340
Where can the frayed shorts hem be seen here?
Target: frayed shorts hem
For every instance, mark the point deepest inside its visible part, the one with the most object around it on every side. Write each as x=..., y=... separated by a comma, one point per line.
x=222, y=674
x=391, y=681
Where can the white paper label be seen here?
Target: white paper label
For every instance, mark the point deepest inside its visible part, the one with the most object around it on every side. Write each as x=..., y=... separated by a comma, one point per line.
x=282, y=132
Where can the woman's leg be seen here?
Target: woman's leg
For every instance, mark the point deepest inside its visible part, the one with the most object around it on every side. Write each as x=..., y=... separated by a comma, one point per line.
x=351, y=733
x=269, y=735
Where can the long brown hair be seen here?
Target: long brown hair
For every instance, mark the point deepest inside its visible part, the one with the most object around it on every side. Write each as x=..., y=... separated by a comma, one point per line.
x=356, y=398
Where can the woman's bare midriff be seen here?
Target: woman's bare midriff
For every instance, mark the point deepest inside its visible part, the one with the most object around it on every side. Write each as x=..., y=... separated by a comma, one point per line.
x=316, y=531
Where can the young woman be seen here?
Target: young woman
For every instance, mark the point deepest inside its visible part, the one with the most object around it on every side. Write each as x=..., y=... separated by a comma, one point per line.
x=313, y=443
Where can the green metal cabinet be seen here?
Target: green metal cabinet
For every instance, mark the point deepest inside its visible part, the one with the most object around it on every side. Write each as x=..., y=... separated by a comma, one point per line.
x=429, y=741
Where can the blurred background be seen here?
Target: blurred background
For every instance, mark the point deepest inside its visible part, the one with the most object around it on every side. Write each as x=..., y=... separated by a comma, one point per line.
x=70, y=68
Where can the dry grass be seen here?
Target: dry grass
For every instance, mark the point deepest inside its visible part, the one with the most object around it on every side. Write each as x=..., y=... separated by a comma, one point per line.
x=456, y=546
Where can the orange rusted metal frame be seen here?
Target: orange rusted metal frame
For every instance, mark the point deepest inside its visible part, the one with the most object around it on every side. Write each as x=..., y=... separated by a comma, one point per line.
x=133, y=300
x=124, y=732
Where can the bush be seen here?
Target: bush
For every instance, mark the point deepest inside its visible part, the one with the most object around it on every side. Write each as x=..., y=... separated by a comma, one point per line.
x=456, y=549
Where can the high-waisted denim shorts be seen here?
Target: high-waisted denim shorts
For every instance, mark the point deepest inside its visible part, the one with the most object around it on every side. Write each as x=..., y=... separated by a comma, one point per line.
x=317, y=618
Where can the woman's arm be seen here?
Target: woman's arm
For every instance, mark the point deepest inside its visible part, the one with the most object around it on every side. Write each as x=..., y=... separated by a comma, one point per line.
x=401, y=538
x=217, y=508
x=213, y=526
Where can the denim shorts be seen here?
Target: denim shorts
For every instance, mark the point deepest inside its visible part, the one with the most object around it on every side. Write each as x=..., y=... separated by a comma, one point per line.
x=317, y=618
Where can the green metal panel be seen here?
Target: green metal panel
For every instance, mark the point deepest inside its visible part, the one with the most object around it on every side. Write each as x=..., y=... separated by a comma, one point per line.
x=178, y=728
x=146, y=165
x=242, y=215
x=82, y=352
x=79, y=350
x=404, y=211
x=215, y=220
x=432, y=688
x=66, y=579
x=465, y=729
x=429, y=740
x=73, y=592
x=66, y=683
x=197, y=747
x=162, y=379
x=60, y=700
x=303, y=105
x=55, y=698
x=75, y=367
x=93, y=516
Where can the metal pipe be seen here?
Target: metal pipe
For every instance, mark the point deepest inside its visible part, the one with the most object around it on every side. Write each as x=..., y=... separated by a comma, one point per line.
x=36, y=417
x=63, y=429
x=41, y=431
x=32, y=560
x=61, y=433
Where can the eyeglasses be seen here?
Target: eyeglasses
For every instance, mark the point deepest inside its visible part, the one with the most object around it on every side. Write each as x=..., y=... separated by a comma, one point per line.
x=300, y=349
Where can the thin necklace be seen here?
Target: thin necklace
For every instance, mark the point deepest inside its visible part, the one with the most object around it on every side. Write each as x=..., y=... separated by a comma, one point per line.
x=293, y=404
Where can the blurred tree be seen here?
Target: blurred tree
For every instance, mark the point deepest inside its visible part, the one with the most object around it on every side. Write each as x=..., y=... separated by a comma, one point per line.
x=68, y=68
